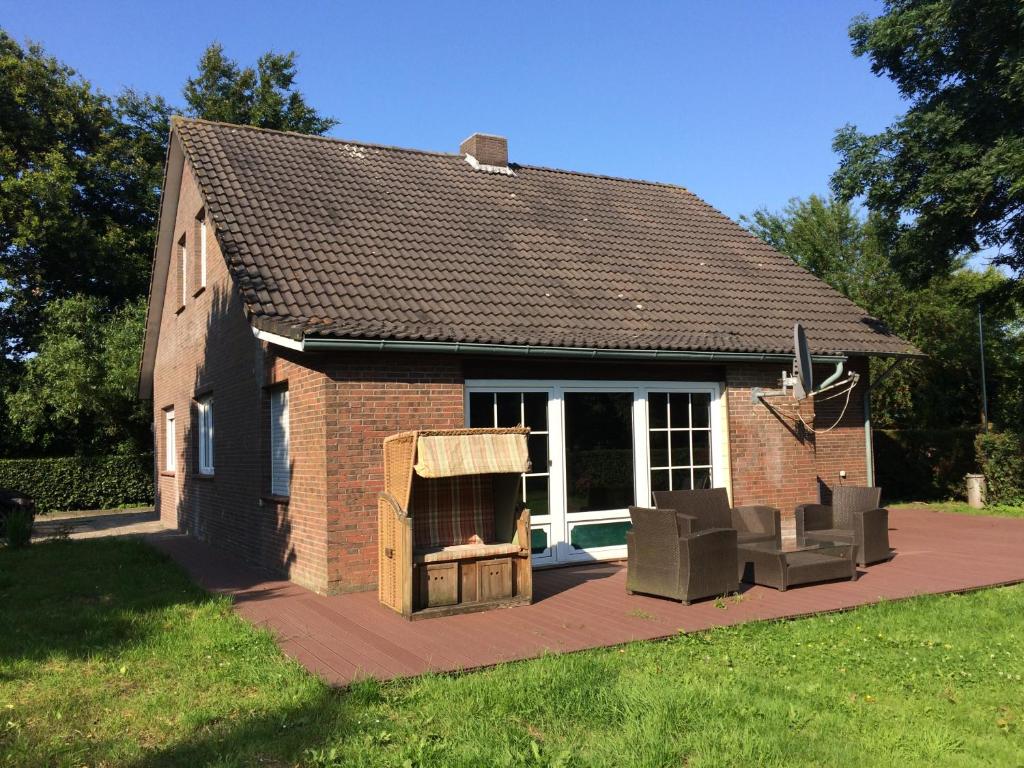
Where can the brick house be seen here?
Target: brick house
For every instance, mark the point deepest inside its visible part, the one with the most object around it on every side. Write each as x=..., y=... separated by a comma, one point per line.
x=311, y=296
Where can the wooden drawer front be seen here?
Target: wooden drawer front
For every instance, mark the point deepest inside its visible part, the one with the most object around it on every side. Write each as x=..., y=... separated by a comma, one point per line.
x=494, y=579
x=439, y=584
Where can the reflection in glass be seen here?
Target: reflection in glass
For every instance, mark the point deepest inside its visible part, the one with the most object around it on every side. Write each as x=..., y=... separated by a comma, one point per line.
x=659, y=480
x=509, y=409
x=535, y=406
x=681, y=480
x=481, y=409
x=657, y=410
x=598, y=450
x=702, y=479
x=701, y=448
x=537, y=495
x=600, y=534
x=681, y=449
x=701, y=408
x=679, y=406
x=659, y=449
x=538, y=446
x=538, y=541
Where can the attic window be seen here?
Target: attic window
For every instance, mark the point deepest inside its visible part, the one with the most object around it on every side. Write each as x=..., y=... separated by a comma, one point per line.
x=201, y=238
x=183, y=269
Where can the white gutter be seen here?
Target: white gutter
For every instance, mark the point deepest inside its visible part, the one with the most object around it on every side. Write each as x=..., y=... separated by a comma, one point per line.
x=281, y=341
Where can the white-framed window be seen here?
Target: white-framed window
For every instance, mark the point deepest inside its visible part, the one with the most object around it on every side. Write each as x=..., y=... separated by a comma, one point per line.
x=279, y=459
x=609, y=444
x=679, y=430
x=204, y=417
x=183, y=257
x=202, y=251
x=170, y=446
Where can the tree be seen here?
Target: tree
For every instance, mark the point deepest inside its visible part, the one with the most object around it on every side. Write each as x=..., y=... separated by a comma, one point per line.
x=80, y=177
x=949, y=172
x=263, y=96
x=828, y=238
x=79, y=392
x=850, y=253
x=79, y=180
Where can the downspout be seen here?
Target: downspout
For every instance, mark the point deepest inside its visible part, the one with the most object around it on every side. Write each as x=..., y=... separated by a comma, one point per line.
x=834, y=377
x=869, y=438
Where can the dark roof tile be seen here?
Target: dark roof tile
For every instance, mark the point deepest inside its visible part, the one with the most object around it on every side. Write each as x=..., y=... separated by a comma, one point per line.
x=337, y=239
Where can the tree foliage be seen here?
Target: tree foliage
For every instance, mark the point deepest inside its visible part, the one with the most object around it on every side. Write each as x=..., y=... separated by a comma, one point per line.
x=850, y=253
x=949, y=172
x=79, y=179
x=263, y=95
x=80, y=176
x=79, y=392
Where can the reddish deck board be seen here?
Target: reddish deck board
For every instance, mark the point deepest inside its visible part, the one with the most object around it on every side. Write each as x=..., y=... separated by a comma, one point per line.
x=344, y=638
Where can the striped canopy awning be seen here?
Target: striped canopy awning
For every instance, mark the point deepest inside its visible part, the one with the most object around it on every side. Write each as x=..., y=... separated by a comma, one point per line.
x=471, y=454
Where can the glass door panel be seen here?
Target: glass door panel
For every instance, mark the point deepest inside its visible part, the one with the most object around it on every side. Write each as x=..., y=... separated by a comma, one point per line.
x=530, y=409
x=598, y=451
x=600, y=469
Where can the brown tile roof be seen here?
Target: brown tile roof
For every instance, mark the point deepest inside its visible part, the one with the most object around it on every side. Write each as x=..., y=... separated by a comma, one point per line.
x=329, y=238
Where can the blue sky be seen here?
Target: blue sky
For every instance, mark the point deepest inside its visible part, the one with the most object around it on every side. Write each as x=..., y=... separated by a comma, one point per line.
x=738, y=101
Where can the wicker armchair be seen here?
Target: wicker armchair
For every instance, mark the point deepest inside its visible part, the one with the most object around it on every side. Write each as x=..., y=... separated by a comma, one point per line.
x=709, y=508
x=854, y=516
x=668, y=559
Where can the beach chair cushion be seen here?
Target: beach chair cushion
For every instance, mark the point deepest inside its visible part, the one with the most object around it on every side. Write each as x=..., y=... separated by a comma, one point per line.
x=450, y=511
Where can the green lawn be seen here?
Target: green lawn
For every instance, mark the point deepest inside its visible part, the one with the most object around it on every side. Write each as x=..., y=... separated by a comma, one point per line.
x=961, y=508
x=109, y=656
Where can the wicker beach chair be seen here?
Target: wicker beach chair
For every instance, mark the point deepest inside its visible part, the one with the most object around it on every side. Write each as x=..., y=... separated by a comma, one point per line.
x=453, y=536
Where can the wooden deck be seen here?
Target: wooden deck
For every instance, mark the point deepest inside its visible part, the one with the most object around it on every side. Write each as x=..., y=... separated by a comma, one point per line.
x=346, y=637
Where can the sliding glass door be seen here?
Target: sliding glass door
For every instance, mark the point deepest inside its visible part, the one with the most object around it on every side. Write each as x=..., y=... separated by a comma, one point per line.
x=596, y=448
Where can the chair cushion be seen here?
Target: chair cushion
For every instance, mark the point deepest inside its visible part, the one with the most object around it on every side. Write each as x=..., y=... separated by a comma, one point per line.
x=463, y=552
x=450, y=511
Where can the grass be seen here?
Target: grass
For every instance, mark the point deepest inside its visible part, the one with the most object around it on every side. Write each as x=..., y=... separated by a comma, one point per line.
x=110, y=656
x=961, y=508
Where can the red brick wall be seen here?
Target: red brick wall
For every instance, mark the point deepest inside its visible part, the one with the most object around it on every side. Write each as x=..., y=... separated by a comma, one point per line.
x=775, y=459
x=368, y=397
x=208, y=347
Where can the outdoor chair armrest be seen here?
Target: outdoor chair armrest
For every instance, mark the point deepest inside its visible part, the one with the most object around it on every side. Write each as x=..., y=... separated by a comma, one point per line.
x=873, y=519
x=688, y=524
x=871, y=535
x=769, y=518
x=814, y=517
x=709, y=534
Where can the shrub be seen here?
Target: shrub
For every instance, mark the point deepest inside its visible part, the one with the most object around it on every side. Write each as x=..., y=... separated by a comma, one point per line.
x=923, y=464
x=81, y=482
x=1001, y=461
x=19, y=528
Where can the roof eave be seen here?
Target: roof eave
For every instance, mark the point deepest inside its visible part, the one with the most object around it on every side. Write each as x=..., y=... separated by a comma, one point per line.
x=173, y=170
x=323, y=344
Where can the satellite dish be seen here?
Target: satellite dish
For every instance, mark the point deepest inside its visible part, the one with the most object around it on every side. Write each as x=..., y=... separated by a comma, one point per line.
x=803, y=373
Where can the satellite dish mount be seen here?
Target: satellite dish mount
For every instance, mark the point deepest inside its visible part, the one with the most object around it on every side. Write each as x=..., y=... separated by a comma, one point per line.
x=799, y=382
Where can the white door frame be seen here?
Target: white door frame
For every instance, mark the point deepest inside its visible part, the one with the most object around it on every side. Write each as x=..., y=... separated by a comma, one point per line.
x=559, y=523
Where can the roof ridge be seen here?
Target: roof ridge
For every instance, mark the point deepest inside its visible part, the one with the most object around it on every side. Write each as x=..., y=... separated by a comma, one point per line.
x=313, y=136
x=607, y=176
x=436, y=153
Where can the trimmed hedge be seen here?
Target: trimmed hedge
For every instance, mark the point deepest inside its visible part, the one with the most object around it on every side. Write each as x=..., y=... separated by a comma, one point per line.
x=1002, y=463
x=923, y=464
x=81, y=482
